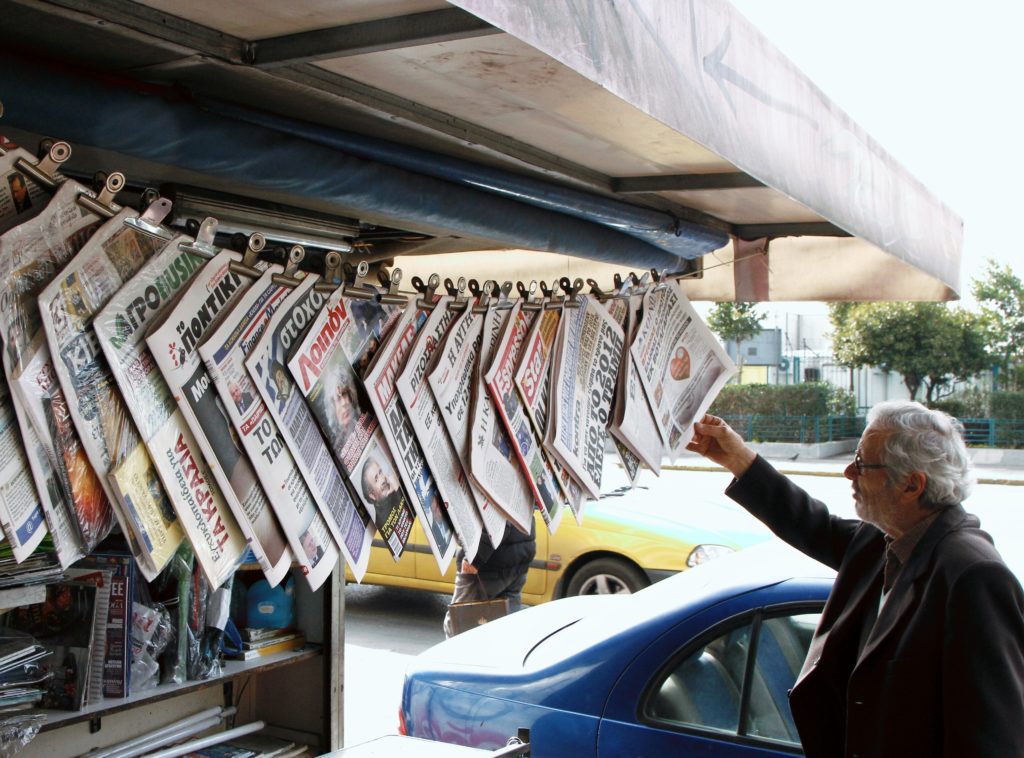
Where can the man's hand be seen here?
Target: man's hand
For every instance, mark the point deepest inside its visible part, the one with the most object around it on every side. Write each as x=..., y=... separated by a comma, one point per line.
x=716, y=441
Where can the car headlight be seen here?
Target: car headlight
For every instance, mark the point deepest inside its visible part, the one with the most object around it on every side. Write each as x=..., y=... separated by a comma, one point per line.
x=704, y=553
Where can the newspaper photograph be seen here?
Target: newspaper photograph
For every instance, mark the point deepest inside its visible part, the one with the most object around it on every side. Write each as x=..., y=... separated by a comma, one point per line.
x=633, y=426
x=450, y=378
x=351, y=528
x=378, y=479
x=682, y=367
x=31, y=254
x=21, y=514
x=196, y=490
x=324, y=366
x=20, y=197
x=493, y=465
x=590, y=351
x=425, y=417
x=120, y=329
x=500, y=381
x=224, y=352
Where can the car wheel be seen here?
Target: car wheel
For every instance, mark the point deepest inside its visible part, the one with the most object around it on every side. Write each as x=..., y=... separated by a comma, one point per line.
x=606, y=576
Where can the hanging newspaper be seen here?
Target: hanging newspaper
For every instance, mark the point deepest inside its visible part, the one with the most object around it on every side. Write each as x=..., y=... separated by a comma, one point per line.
x=590, y=350
x=377, y=478
x=20, y=197
x=323, y=366
x=633, y=426
x=67, y=307
x=30, y=256
x=21, y=515
x=225, y=352
x=175, y=447
x=618, y=309
x=425, y=416
x=533, y=384
x=682, y=366
x=453, y=381
x=120, y=330
x=500, y=381
x=267, y=362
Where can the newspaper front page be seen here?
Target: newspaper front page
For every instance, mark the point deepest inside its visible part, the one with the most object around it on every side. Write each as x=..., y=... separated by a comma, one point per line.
x=267, y=362
x=453, y=380
x=500, y=381
x=198, y=497
x=682, y=366
x=381, y=481
x=120, y=329
x=633, y=425
x=425, y=416
x=31, y=254
x=225, y=352
x=590, y=350
x=21, y=515
x=324, y=366
x=67, y=307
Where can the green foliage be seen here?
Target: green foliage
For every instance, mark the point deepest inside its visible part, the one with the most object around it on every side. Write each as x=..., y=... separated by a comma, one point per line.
x=808, y=399
x=1007, y=405
x=928, y=344
x=735, y=321
x=1001, y=296
x=973, y=402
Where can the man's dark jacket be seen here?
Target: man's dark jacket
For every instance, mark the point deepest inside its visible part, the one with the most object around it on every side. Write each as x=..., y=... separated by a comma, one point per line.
x=941, y=672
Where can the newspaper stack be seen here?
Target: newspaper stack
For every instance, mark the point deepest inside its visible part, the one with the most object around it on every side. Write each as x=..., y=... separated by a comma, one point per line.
x=182, y=460
x=267, y=362
x=381, y=482
x=120, y=329
x=425, y=416
x=324, y=368
x=681, y=365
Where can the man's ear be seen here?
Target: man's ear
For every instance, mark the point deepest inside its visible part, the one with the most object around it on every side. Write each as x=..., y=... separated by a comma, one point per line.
x=915, y=484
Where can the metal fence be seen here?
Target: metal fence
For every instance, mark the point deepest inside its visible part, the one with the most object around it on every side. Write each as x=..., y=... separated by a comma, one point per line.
x=994, y=432
x=807, y=429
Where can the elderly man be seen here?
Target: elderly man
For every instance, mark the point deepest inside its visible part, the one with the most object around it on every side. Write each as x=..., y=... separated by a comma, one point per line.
x=920, y=649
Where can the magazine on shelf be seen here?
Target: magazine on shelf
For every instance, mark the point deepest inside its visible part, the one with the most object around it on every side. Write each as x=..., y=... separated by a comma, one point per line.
x=492, y=463
x=590, y=348
x=682, y=367
x=67, y=306
x=500, y=381
x=425, y=416
x=225, y=353
x=633, y=426
x=31, y=254
x=198, y=499
x=120, y=329
x=347, y=528
x=102, y=579
x=116, y=654
x=324, y=366
x=378, y=478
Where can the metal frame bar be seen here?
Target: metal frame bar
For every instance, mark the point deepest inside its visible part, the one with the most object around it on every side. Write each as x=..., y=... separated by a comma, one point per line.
x=685, y=182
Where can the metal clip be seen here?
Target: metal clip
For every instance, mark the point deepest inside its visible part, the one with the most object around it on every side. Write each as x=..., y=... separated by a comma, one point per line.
x=659, y=279
x=332, y=273
x=291, y=268
x=44, y=171
x=252, y=252
x=530, y=302
x=552, y=300
x=571, y=290
x=103, y=204
x=503, y=299
x=426, y=298
x=150, y=220
x=461, y=302
x=203, y=246
x=600, y=294
x=359, y=288
x=484, y=295
x=392, y=297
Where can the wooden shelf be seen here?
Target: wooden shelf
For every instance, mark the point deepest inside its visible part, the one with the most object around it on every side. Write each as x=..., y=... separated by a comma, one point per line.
x=231, y=670
x=14, y=597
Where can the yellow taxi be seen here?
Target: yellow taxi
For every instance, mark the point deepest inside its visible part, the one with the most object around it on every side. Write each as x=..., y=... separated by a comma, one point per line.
x=629, y=539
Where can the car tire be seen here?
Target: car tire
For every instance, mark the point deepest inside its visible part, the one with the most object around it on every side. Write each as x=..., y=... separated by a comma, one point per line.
x=606, y=576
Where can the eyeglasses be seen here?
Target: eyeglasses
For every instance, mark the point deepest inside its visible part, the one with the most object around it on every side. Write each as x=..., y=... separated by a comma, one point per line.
x=861, y=466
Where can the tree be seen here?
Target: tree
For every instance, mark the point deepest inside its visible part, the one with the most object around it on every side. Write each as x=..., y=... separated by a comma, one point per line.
x=1000, y=293
x=735, y=321
x=928, y=344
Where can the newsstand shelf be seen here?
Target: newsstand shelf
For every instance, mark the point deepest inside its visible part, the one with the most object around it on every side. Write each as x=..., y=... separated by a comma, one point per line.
x=13, y=597
x=231, y=670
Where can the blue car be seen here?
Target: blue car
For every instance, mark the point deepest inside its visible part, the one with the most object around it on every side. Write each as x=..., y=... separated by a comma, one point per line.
x=698, y=664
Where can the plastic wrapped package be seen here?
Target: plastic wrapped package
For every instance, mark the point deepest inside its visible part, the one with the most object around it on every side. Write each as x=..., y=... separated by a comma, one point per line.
x=152, y=632
x=17, y=731
x=176, y=579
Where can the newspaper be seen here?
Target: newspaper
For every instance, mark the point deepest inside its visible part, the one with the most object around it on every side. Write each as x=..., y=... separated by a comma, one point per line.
x=324, y=365
x=633, y=428
x=225, y=352
x=120, y=330
x=20, y=197
x=198, y=499
x=500, y=381
x=590, y=351
x=21, y=514
x=31, y=254
x=352, y=530
x=67, y=307
x=682, y=366
x=493, y=464
x=425, y=417
x=411, y=464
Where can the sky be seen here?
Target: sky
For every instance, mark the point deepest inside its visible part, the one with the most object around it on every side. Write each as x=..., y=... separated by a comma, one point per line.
x=938, y=84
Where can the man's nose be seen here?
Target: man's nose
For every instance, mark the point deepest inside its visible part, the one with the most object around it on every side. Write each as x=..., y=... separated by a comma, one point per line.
x=850, y=472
